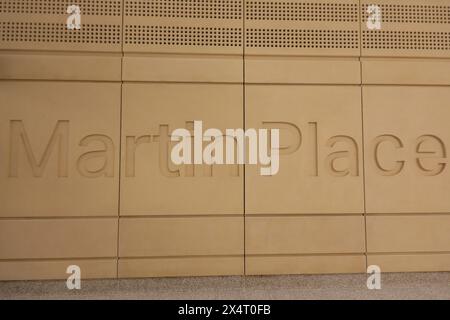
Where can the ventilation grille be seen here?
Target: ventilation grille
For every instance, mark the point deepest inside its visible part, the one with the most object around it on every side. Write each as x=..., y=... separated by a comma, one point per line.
x=301, y=11
x=88, y=7
x=406, y=40
x=58, y=33
x=203, y=9
x=396, y=13
x=290, y=38
x=183, y=36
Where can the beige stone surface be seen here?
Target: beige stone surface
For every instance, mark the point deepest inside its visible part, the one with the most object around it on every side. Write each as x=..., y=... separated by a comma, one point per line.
x=151, y=184
x=407, y=136
x=26, y=65
x=86, y=115
x=320, y=157
x=305, y=264
x=302, y=70
x=411, y=262
x=405, y=71
x=181, y=266
x=185, y=68
x=409, y=233
x=304, y=235
x=173, y=236
x=59, y=147
x=58, y=238
x=57, y=269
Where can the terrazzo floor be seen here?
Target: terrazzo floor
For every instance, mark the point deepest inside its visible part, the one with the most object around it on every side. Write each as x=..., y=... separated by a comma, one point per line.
x=311, y=287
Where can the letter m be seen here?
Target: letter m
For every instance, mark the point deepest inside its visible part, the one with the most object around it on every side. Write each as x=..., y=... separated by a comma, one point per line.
x=59, y=139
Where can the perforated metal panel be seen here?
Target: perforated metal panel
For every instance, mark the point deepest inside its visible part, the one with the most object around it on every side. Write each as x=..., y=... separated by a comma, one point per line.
x=407, y=40
x=306, y=39
x=191, y=26
x=41, y=32
x=89, y=7
x=41, y=25
x=416, y=13
x=182, y=36
x=299, y=27
x=199, y=9
x=301, y=11
x=416, y=29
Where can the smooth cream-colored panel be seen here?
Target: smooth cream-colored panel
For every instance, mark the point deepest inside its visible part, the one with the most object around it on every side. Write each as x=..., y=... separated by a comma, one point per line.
x=60, y=66
x=408, y=233
x=58, y=238
x=56, y=269
x=320, y=167
x=157, y=237
x=181, y=267
x=311, y=264
x=27, y=25
x=406, y=134
x=59, y=146
x=300, y=27
x=299, y=70
x=434, y=262
x=416, y=28
x=186, y=68
x=151, y=184
x=406, y=71
x=304, y=235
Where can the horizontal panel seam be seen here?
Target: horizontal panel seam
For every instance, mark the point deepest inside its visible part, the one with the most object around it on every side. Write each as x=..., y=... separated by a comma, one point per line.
x=182, y=256
x=361, y=253
x=58, y=259
x=409, y=253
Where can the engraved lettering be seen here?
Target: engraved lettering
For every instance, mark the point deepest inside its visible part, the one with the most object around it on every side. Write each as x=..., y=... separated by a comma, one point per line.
x=59, y=139
x=106, y=155
x=397, y=143
x=351, y=155
x=427, y=155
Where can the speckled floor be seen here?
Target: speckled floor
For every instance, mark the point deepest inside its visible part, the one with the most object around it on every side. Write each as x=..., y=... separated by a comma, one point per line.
x=394, y=286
